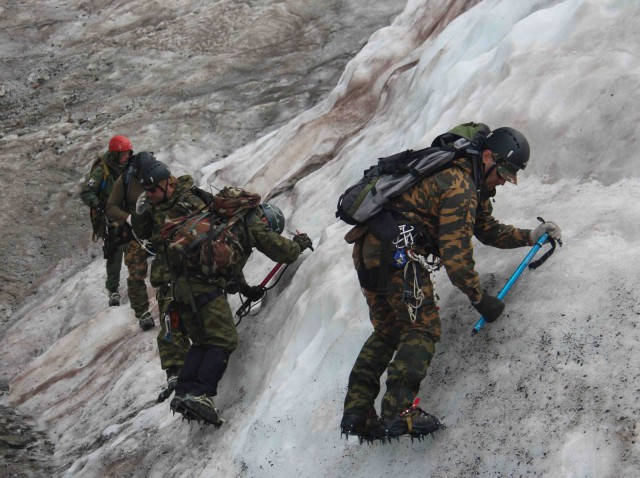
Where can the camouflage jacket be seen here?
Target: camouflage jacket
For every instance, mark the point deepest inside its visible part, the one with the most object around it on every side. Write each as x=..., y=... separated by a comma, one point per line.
x=97, y=189
x=123, y=197
x=148, y=225
x=261, y=237
x=447, y=209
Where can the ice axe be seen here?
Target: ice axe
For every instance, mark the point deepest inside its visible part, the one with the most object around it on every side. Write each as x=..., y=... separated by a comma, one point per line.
x=514, y=277
x=246, y=305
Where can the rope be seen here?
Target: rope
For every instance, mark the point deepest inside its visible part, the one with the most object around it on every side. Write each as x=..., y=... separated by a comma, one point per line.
x=415, y=296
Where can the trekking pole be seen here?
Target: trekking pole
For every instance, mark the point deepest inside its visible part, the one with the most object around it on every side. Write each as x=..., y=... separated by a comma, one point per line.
x=246, y=305
x=515, y=276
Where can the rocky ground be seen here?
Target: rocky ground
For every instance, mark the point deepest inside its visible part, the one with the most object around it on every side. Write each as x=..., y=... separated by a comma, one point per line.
x=170, y=75
x=25, y=450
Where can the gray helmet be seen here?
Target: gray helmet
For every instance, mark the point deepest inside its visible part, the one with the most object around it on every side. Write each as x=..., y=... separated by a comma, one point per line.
x=142, y=161
x=152, y=173
x=510, y=145
x=274, y=216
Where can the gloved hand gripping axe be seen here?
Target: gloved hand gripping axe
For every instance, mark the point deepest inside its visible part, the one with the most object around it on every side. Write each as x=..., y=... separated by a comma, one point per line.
x=534, y=265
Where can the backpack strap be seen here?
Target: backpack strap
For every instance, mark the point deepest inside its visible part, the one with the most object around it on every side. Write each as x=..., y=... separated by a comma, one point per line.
x=126, y=182
x=384, y=227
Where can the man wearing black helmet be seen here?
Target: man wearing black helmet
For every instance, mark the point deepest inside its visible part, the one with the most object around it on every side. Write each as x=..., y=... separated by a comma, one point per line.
x=443, y=211
x=121, y=203
x=163, y=197
x=200, y=299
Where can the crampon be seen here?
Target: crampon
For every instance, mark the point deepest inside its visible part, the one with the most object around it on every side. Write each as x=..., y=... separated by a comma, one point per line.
x=177, y=406
x=367, y=428
x=414, y=422
x=200, y=408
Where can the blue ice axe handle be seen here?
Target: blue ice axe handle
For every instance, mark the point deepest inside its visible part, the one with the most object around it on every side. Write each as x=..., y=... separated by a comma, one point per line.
x=523, y=265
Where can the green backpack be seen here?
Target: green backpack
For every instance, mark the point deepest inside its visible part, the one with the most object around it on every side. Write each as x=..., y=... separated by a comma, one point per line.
x=205, y=242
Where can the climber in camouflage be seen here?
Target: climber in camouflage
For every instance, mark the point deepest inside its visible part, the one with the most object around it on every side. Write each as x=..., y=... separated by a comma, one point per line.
x=211, y=326
x=155, y=210
x=445, y=211
x=104, y=172
x=121, y=203
x=200, y=301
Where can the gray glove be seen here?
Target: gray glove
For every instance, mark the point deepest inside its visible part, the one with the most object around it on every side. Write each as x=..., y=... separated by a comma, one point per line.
x=550, y=228
x=141, y=203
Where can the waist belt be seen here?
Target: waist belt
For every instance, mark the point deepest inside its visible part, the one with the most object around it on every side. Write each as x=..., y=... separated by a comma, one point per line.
x=203, y=299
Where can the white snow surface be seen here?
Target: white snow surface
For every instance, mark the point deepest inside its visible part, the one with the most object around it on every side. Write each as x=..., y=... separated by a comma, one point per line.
x=550, y=390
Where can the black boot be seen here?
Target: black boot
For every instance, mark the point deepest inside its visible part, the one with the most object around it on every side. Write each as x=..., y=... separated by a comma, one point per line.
x=414, y=422
x=367, y=427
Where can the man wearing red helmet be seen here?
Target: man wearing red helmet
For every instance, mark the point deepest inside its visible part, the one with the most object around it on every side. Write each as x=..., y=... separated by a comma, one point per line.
x=104, y=172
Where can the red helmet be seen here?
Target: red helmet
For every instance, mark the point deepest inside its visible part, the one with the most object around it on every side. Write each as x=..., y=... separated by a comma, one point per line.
x=120, y=143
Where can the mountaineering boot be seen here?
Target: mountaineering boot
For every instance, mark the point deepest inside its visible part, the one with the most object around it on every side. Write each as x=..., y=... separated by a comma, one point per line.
x=172, y=382
x=114, y=298
x=367, y=427
x=414, y=422
x=176, y=406
x=202, y=408
x=146, y=321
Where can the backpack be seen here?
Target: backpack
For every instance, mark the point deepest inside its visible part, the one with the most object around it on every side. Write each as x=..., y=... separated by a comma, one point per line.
x=206, y=241
x=395, y=174
x=365, y=201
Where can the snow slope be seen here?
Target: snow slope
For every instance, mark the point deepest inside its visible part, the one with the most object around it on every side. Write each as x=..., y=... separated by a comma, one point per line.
x=551, y=389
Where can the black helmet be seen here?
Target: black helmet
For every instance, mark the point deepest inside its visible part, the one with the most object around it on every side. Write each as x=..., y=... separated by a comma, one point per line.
x=510, y=145
x=274, y=216
x=152, y=173
x=142, y=161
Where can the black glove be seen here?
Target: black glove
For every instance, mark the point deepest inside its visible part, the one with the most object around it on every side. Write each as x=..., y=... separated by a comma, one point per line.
x=490, y=307
x=253, y=293
x=233, y=287
x=303, y=241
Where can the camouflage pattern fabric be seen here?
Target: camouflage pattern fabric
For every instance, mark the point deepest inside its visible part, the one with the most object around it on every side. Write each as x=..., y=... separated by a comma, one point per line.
x=213, y=324
x=94, y=193
x=412, y=343
x=445, y=205
x=172, y=349
x=136, y=261
x=148, y=226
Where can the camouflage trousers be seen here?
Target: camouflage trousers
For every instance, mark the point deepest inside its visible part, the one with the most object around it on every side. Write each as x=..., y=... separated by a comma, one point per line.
x=173, y=346
x=213, y=323
x=212, y=332
x=136, y=261
x=402, y=347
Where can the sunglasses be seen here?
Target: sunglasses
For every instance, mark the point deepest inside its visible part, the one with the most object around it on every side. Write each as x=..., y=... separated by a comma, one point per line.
x=153, y=189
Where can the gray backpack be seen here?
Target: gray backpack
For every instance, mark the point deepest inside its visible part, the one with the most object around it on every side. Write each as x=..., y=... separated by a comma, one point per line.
x=392, y=176
x=365, y=201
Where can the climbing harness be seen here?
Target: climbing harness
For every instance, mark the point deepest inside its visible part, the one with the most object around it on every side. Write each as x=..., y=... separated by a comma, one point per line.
x=405, y=257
